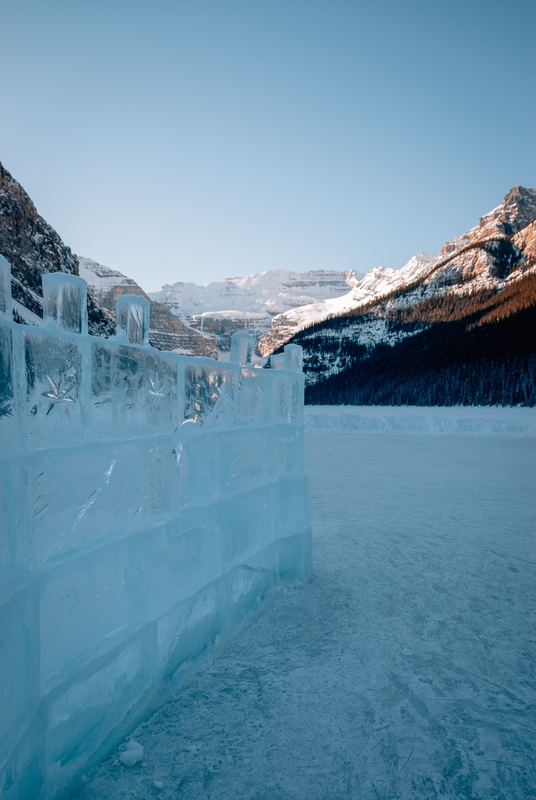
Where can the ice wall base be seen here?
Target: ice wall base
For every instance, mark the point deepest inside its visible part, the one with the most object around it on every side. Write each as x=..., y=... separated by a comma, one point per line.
x=88, y=713
x=109, y=609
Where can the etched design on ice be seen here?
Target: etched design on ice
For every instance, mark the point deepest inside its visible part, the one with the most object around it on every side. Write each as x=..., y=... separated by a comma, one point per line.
x=34, y=503
x=73, y=595
x=156, y=390
x=94, y=495
x=59, y=394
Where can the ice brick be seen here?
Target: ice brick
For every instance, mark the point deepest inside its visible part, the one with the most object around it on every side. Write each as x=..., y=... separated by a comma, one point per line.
x=244, y=526
x=186, y=631
x=65, y=302
x=291, y=507
x=294, y=557
x=243, y=463
x=106, y=497
x=6, y=372
x=132, y=389
x=254, y=401
x=132, y=313
x=81, y=716
x=293, y=357
x=242, y=345
x=53, y=373
x=277, y=360
x=19, y=656
x=5, y=288
x=200, y=460
x=179, y=563
x=89, y=604
x=210, y=393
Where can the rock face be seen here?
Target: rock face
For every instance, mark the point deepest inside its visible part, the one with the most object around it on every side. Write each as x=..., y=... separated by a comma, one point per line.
x=484, y=257
x=167, y=331
x=456, y=328
x=250, y=303
x=32, y=247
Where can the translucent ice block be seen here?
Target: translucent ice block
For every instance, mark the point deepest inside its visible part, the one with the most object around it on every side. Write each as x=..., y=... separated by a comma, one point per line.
x=53, y=375
x=293, y=354
x=65, y=302
x=254, y=401
x=5, y=287
x=210, y=392
x=6, y=372
x=241, y=348
x=277, y=360
x=133, y=319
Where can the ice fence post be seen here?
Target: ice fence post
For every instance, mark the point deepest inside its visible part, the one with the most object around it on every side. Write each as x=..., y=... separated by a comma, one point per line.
x=242, y=344
x=293, y=357
x=5, y=287
x=65, y=302
x=132, y=314
x=9, y=421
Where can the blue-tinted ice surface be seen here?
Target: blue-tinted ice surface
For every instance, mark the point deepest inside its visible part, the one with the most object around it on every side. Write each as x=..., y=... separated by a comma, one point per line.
x=405, y=669
x=148, y=503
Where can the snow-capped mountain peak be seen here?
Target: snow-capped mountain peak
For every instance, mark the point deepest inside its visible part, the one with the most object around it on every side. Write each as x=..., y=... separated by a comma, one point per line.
x=250, y=302
x=483, y=257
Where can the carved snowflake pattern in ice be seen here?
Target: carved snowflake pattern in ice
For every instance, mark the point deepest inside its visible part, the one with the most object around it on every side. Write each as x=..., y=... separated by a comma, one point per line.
x=59, y=394
x=156, y=391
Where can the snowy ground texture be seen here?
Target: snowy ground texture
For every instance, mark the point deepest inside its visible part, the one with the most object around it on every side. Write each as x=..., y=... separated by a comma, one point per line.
x=437, y=421
x=404, y=669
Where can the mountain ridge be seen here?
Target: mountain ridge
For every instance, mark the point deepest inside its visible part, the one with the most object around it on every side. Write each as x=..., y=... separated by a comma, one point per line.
x=249, y=302
x=468, y=321
x=496, y=229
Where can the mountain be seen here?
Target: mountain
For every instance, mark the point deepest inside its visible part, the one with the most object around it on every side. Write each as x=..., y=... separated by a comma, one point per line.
x=456, y=328
x=33, y=248
x=376, y=282
x=250, y=303
x=166, y=331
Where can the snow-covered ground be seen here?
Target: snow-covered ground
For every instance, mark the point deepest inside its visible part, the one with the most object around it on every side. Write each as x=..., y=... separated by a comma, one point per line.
x=404, y=669
x=417, y=420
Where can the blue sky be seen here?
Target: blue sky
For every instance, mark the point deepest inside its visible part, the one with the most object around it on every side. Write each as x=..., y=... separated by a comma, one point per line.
x=198, y=140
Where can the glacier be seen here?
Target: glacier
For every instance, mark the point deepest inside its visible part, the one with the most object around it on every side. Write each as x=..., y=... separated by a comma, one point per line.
x=149, y=501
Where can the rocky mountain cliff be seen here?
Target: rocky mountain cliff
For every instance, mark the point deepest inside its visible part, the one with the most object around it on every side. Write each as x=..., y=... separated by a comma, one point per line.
x=250, y=303
x=33, y=248
x=484, y=256
x=458, y=328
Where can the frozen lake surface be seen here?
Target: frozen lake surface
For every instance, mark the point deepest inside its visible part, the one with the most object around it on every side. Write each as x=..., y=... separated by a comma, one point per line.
x=404, y=669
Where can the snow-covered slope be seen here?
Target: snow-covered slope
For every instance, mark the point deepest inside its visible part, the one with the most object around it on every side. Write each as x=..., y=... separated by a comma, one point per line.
x=421, y=421
x=103, y=280
x=251, y=302
x=488, y=256
x=375, y=283
x=266, y=294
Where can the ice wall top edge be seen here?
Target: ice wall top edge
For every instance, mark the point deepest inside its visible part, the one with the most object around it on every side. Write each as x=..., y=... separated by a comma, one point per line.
x=60, y=386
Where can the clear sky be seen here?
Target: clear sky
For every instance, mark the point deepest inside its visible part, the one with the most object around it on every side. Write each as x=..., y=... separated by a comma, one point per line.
x=197, y=140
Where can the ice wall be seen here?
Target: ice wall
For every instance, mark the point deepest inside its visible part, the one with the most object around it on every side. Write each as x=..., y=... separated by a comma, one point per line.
x=148, y=502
